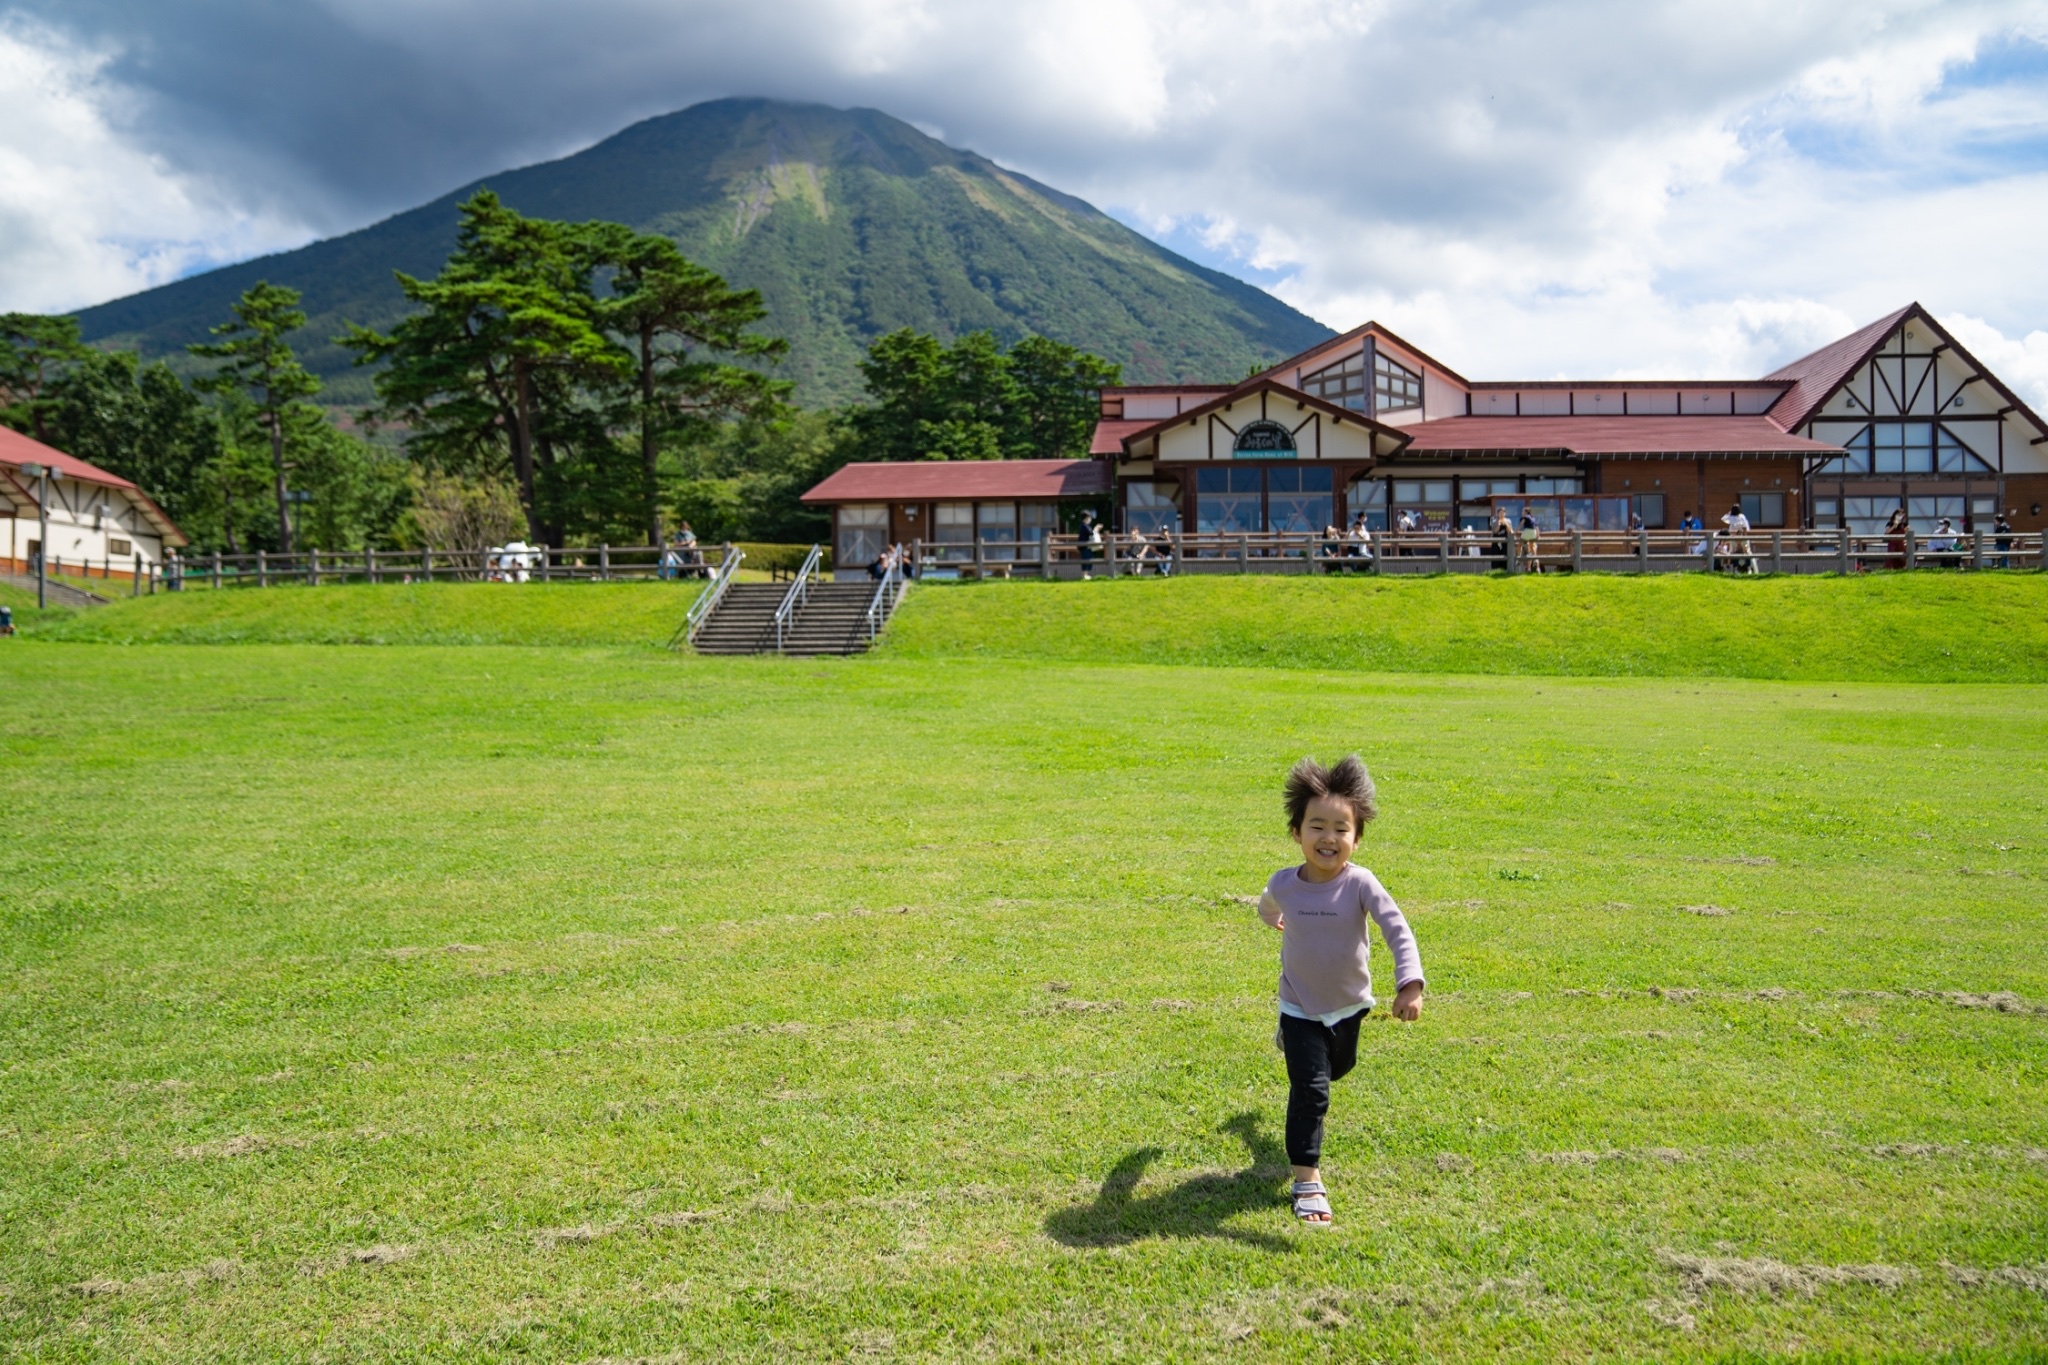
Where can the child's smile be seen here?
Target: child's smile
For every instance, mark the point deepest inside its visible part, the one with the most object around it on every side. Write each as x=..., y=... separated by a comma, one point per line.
x=1328, y=837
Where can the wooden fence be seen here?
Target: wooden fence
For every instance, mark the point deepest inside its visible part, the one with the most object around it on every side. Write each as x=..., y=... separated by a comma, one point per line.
x=1067, y=556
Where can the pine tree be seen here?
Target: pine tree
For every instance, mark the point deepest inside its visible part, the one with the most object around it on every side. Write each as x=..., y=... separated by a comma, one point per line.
x=261, y=365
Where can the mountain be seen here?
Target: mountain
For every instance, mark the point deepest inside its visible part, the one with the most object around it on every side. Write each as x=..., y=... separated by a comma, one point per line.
x=850, y=223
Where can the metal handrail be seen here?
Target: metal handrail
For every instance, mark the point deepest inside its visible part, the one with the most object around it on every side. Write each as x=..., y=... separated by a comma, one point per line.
x=700, y=610
x=798, y=594
x=883, y=604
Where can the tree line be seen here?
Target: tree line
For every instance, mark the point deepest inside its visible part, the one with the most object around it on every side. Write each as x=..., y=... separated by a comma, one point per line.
x=568, y=382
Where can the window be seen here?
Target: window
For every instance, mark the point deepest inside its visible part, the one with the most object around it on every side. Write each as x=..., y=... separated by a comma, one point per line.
x=1422, y=493
x=997, y=522
x=1037, y=520
x=1563, y=485
x=863, y=534
x=1394, y=385
x=1227, y=499
x=1298, y=498
x=1906, y=448
x=1764, y=509
x=119, y=547
x=1650, y=507
x=1370, y=497
x=1924, y=513
x=953, y=532
x=1867, y=516
x=1342, y=383
x=1827, y=512
x=1149, y=507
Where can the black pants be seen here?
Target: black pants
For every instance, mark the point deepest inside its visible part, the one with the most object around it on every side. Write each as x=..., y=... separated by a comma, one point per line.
x=1316, y=1055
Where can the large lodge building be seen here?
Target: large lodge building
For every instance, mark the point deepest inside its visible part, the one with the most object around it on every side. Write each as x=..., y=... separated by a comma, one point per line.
x=1894, y=415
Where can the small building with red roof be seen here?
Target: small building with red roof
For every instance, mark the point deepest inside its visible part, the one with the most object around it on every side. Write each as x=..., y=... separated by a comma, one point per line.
x=100, y=524
x=1897, y=414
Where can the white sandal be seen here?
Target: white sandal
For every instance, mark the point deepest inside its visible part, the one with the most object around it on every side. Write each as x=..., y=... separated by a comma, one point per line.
x=1311, y=1199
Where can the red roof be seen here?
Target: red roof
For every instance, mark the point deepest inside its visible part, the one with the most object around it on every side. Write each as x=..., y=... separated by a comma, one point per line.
x=1110, y=433
x=17, y=450
x=929, y=480
x=1610, y=435
x=1818, y=375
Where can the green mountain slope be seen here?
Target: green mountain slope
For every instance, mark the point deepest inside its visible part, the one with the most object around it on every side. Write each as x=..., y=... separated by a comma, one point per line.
x=851, y=223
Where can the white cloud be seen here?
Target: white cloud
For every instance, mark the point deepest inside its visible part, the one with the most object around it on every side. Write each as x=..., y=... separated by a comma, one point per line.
x=1540, y=188
x=84, y=214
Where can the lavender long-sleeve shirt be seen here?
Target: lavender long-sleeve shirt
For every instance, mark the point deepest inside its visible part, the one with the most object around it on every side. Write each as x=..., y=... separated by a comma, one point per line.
x=1323, y=941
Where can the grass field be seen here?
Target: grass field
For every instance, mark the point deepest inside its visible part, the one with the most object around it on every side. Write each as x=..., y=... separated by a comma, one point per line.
x=1927, y=627
x=597, y=1003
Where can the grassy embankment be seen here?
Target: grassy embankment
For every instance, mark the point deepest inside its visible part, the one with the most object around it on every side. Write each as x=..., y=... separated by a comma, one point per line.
x=1919, y=627
x=494, y=1004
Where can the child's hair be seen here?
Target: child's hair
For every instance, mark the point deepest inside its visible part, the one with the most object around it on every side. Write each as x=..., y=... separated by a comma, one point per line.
x=1347, y=781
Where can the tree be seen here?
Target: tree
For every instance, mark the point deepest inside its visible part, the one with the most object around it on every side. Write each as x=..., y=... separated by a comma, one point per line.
x=260, y=364
x=671, y=311
x=511, y=308
x=142, y=423
x=35, y=351
x=974, y=401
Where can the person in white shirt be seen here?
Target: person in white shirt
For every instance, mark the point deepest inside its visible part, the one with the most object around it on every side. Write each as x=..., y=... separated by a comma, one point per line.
x=1740, y=557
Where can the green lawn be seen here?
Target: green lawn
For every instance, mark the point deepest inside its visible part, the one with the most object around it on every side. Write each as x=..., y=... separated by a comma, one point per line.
x=578, y=1004
x=1930, y=627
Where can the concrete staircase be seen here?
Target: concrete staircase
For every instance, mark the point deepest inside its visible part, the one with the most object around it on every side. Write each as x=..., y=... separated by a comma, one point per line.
x=832, y=621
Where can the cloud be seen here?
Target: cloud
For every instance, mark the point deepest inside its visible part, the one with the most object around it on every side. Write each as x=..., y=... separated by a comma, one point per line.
x=84, y=212
x=1588, y=187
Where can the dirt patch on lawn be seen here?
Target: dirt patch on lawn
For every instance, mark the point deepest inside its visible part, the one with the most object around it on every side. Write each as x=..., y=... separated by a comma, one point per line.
x=2034, y=1277
x=1712, y=911
x=246, y=1144
x=1760, y=1275
x=213, y=1272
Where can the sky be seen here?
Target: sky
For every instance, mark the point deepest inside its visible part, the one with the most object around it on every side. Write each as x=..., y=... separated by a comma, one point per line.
x=1593, y=189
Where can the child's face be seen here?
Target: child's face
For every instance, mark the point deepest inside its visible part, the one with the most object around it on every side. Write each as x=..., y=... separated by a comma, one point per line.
x=1328, y=835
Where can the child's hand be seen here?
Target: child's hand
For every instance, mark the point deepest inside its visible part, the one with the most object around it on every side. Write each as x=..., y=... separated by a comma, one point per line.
x=1408, y=1002
x=1269, y=911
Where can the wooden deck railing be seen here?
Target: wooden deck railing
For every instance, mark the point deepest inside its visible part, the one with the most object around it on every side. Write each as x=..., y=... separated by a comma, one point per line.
x=1068, y=556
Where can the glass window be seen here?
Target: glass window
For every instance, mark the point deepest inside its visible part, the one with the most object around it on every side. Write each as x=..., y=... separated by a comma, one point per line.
x=1370, y=497
x=1764, y=509
x=1614, y=513
x=1422, y=492
x=119, y=547
x=1342, y=383
x=1577, y=514
x=1149, y=507
x=1827, y=511
x=996, y=527
x=1650, y=507
x=1037, y=520
x=1394, y=385
x=1298, y=498
x=1924, y=513
x=953, y=531
x=1565, y=485
x=1227, y=499
x=863, y=535
x=1953, y=457
x=1867, y=516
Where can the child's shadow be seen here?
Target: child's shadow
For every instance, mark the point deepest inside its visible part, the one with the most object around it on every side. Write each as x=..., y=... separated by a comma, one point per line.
x=1194, y=1208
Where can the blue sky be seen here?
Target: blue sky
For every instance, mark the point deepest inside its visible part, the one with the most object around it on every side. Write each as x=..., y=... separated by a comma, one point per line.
x=1581, y=187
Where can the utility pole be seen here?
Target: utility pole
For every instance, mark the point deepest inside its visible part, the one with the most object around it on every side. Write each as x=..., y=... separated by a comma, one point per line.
x=42, y=473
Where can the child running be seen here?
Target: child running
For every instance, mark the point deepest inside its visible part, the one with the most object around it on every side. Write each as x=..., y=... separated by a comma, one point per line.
x=1320, y=909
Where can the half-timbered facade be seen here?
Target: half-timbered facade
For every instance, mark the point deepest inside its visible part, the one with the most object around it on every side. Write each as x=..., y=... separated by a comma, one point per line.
x=99, y=523
x=1896, y=414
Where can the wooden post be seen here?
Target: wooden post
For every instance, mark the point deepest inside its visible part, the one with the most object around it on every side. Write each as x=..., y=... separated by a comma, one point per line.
x=1912, y=549
x=546, y=553
x=426, y=564
x=262, y=569
x=604, y=563
x=1045, y=556
x=135, y=578
x=216, y=568
x=1712, y=545
x=1643, y=550
x=313, y=567
x=1977, y=548
x=369, y=565
x=1777, y=552
x=981, y=569
x=1244, y=553
x=1844, y=565
x=1578, y=549
x=1176, y=552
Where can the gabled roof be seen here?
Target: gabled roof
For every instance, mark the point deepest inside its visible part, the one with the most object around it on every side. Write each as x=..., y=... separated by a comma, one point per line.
x=17, y=450
x=1299, y=356
x=1110, y=432
x=1260, y=384
x=927, y=480
x=1821, y=375
x=1816, y=377
x=1610, y=435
